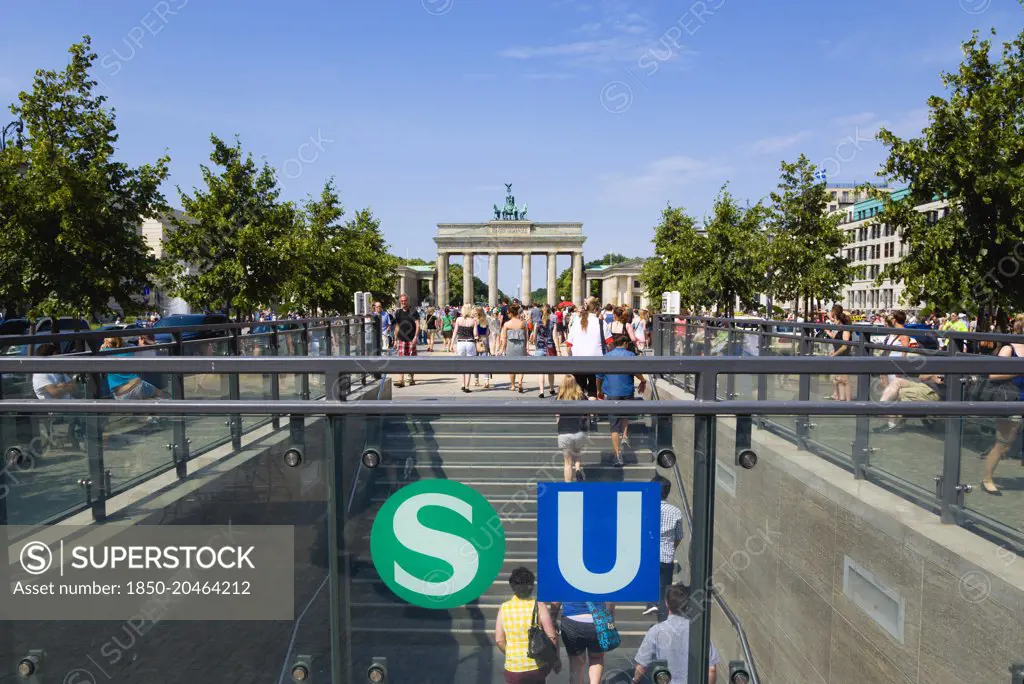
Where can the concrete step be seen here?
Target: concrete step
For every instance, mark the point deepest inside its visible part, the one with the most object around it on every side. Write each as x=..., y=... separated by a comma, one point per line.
x=443, y=624
x=487, y=606
x=457, y=468
x=543, y=454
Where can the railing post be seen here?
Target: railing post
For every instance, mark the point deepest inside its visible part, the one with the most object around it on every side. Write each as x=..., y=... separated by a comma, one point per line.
x=702, y=544
x=328, y=339
x=862, y=430
x=346, y=343
x=275, y=379
x=951, y=493
x=803, y=427
x=303, y=379
x=731, y=349
x=179, y=438
x=764, y=348
x=235, y=392
x=659, y=342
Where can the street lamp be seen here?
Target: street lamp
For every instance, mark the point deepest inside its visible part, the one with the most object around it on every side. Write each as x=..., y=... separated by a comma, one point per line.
x=17, y=127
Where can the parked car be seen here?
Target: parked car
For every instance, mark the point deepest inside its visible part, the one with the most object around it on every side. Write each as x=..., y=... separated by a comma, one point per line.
x=66, y=325
x=183, y=320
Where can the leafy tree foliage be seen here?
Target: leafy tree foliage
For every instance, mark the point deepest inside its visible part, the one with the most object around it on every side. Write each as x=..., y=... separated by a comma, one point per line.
x=712, y=267
x=69, y=213
x=227, y=253
x=675, y=265
x=804, y=260
x=368, y=267
x=972, y=154
x=329, y=261
x=733, y=253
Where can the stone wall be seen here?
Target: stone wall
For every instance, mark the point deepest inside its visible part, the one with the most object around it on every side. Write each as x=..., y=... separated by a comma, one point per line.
x=838, y=581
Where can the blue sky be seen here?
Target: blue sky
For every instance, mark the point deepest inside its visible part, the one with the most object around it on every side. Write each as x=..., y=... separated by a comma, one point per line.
x=598, y=111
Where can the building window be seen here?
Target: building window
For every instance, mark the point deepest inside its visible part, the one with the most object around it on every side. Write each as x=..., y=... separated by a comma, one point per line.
x=846, y=197
x=636, y=283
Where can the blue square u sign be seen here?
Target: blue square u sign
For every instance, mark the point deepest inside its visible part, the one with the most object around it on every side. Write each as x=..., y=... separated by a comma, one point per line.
x=598, y=541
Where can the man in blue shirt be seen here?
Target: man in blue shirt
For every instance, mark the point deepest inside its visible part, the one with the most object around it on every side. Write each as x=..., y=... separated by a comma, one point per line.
x=670, y=641
x=619, y=387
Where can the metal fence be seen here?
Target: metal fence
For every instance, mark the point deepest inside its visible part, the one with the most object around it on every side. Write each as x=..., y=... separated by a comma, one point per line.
x=181, y=439
x=940, y=459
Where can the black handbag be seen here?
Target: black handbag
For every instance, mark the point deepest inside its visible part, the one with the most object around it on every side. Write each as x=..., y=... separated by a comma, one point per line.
x=984, y=389
x=539, y=646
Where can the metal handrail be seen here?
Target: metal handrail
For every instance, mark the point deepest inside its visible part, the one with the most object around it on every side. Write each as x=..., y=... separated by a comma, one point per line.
x=72, y=335
x=740, y=365
x=493, y=407
x=728, y=323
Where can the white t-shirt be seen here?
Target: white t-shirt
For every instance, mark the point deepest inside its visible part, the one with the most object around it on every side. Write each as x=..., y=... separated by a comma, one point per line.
x=586, y=342
x=42, y=380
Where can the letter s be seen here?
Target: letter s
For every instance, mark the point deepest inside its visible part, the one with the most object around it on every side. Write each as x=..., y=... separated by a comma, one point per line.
x=454, y=550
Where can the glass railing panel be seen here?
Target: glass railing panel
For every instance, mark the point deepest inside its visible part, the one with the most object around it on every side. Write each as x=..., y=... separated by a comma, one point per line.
x=204, y=432
x=241, y=499
x=290, y=343
x=44, y=459
x=503, y=460
x=908, y=448
x=253, y=386
x=992, y=463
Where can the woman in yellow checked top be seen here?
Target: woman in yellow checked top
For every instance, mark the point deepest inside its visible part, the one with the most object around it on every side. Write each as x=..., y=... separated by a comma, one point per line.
x=512, y=628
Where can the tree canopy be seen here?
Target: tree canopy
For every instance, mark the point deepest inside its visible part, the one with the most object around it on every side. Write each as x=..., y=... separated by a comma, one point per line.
x=713, y=266
x=804, y=239
x=69, y=212
x=329, y=261
x=226, y=253
x=972, y=154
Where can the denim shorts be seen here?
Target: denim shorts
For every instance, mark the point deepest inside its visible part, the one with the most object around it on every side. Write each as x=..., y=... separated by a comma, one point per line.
x=143, y=390
x=613, y=420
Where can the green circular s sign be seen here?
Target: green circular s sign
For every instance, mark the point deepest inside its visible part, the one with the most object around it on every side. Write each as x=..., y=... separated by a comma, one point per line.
x=437, y=544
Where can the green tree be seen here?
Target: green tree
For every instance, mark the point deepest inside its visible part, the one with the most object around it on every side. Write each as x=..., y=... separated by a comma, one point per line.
x=69, y=212
x=804, y=260
x=732, y=254
x=329, y=261
x=368, y=263
x=676, y=263
x=971, y=153
x=229, y=252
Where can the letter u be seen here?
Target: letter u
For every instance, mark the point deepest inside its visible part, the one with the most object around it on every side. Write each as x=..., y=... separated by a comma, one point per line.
x=628, y=535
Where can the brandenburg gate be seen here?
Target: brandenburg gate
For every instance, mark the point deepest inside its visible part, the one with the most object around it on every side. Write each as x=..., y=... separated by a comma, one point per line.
x=509, y=232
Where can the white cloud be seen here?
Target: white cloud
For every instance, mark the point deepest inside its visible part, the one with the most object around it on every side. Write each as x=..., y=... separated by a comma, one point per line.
x=616, y=35
x=547, y=76
x=861, y=119
x=778, y=143
x=662, y=178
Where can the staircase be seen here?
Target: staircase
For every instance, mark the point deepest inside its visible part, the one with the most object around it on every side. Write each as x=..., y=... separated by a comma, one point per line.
x=502, y=458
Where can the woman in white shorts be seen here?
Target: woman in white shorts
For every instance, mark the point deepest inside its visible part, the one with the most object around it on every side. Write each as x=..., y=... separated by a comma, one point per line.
x=465, y=339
